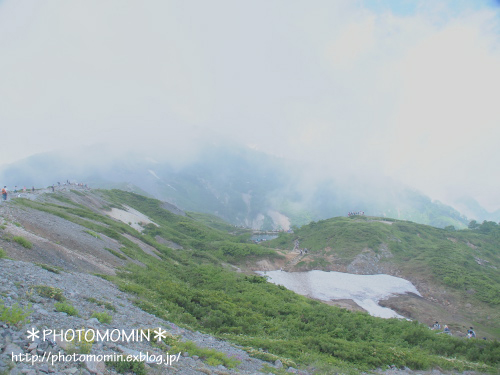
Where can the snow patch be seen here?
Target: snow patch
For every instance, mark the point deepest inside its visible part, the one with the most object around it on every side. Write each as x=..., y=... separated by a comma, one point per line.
x=131, y=217
x=153, y=173
x=365, y=290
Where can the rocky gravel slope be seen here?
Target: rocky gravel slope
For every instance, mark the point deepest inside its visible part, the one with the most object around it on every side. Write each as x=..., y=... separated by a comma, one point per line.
x=19, y=281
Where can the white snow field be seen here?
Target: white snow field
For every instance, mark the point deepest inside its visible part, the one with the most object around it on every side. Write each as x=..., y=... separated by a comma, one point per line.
x=365, y=290
x=132, y=217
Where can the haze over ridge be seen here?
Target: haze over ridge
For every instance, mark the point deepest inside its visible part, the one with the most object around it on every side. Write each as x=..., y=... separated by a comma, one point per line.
x=405, y=90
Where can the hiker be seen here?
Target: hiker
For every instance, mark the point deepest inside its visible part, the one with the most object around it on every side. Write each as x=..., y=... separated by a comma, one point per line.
x=470, y=333
x=4, y=193
x=53, y=188
x=436, y=325
x=447, y=329
x=33, y=189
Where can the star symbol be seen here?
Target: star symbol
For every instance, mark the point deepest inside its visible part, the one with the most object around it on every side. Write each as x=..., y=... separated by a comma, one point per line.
x=33, y=334
x=160, y=334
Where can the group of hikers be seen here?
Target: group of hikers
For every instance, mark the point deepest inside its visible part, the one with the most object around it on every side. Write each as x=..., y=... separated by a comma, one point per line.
x=436, y=326
x=17, y=190
x=355, y=213
x=80, y=184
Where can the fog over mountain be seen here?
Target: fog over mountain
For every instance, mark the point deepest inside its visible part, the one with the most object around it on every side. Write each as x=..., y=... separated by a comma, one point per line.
x=241, y=185
x=377, y=106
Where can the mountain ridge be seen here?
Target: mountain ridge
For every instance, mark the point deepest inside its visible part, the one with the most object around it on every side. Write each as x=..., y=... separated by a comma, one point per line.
x=242, y=186
x=206, y=283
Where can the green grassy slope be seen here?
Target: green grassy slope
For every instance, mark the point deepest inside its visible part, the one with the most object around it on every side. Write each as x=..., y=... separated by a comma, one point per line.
x=192, y=287
x=458, y=270
x=450, y=257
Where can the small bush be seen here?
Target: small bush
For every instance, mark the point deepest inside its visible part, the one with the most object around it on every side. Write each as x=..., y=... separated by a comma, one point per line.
x=50, y=292
x=23, y=242
x=116, y=253
x=52, y=269
x=3, y=253
x=128, y=252
x=104, y=304
x=66, y=308
x=93, y=234
x=132, y=288
x=15, y=314
x=80, y=344
x=103, y=317
x=211, y=356
x=124, y=367
x=268, y=357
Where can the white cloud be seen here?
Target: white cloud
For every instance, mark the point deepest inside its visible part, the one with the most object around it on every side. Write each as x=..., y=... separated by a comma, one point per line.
x=447, y=113
x=410, y=93
x=350, y=45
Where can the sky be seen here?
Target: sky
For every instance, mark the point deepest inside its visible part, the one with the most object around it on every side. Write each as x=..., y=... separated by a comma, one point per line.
x=404, y=89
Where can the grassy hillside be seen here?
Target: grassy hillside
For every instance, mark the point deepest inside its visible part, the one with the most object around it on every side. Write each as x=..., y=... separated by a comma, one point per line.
x=193, y=286
x=461, y=266
x=464, y=260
